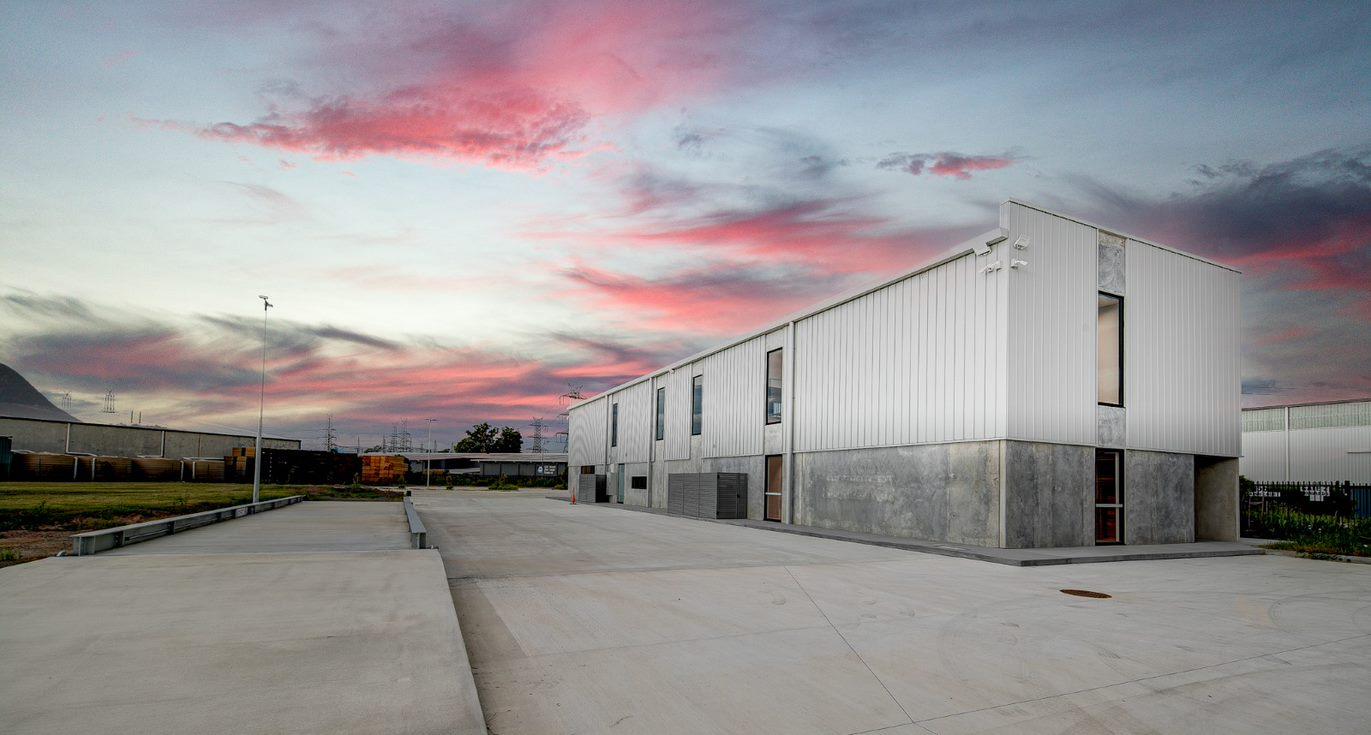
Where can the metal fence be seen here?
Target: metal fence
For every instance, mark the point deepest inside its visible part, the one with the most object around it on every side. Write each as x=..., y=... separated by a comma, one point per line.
x=1310, y=497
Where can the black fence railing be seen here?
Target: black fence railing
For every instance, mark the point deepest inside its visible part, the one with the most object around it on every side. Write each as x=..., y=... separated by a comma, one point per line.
x=1315, y=498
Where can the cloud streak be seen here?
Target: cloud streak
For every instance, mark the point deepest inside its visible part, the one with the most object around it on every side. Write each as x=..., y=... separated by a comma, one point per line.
x=946, y=163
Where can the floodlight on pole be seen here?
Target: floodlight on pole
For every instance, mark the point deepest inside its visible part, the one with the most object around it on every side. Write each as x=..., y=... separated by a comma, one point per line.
x=428, y=463
x=261, y=404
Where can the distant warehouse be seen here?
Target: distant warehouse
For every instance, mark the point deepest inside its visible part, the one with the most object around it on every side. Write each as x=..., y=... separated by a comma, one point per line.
x=113, y=440
x=1308, y=442
x=1047, y=383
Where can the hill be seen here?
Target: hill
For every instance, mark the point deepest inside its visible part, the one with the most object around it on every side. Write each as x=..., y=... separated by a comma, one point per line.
x=19, y=399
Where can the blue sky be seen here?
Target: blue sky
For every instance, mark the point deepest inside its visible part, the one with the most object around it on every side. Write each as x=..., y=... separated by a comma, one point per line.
x=460, y=208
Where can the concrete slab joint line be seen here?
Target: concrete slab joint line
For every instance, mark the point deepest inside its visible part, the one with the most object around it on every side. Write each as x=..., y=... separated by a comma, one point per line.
x=846, y=642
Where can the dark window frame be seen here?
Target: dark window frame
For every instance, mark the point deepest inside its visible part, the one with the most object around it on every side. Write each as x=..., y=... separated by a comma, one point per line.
x=614, y=425
x=1119, y=490
x=1120, y=301
x=659, y=431
x=697, y=404
x=766, y=399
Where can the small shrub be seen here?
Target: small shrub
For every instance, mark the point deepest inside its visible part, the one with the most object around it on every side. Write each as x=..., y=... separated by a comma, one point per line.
x=9, y=555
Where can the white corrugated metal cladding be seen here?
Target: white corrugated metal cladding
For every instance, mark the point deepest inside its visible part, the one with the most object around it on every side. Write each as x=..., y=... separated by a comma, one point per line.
x=977, y=345
x=1320, y=442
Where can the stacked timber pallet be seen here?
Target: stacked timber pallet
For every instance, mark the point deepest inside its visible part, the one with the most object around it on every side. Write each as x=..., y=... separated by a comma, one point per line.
x=379, y=469
x=204, y=470
x=156, y=469
x=293, y=467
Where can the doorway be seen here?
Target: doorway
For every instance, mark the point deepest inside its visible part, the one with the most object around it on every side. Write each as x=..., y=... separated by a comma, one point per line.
x=773, y=487
x=619, y=485
x=1108, y=496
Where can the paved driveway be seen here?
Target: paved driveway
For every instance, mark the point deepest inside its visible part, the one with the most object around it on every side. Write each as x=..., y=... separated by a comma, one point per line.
x=595, y=619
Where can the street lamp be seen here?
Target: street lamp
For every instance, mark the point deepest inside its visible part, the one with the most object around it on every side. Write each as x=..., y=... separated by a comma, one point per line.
x=261, y=403
x=428, y=463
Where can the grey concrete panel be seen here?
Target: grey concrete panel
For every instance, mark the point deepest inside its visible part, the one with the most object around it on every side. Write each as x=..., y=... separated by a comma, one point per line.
x=1112, y=265
x=35, y=436
x=342, y=642
x=1049, y=495
x=1111, y=427
x=1159, y=497
x=1216, y=499
x=937, y=492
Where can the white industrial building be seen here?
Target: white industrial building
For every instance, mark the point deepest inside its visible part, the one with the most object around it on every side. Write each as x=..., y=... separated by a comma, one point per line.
x=1047, y=383
x=1308, y=442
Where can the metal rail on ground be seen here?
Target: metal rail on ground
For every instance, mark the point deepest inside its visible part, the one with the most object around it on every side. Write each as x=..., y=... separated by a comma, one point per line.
x=92, y=542
x=418, y=535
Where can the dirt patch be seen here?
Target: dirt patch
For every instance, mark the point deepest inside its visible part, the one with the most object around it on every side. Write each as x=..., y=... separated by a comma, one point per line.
x=25, y=545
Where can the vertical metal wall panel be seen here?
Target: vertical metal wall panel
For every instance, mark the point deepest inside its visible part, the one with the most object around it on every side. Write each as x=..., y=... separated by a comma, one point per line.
x=678, y=413
x=913, y=362
x=587, y=434
x=1182, y=368
x=1263, y=456
x=1052, y=314
x=636, y=412
x=734, y=400
x=1331, y=454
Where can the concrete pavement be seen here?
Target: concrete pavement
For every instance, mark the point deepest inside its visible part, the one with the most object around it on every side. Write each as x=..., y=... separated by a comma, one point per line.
x=585, y=620
x=310, y=526
x=316, y=618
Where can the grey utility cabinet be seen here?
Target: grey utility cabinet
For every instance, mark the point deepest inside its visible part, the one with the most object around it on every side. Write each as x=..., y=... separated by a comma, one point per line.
x=707, y=494
x=593, y=489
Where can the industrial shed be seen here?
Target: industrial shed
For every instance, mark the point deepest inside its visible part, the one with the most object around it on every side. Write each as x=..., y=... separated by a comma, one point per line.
x=1308, y=442
x=1047, y=383
x=79, y=437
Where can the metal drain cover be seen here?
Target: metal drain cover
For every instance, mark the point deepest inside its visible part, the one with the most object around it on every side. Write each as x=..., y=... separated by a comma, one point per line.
x=1087, y=593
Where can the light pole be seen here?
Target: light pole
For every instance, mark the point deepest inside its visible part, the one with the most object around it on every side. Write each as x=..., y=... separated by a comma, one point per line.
x=428, y=463
x=261, y=403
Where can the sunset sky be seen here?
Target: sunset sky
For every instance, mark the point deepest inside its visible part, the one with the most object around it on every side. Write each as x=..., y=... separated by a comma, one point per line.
x=460, y=208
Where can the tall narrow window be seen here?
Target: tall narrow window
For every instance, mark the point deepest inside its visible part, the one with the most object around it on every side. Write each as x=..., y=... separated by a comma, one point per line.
x=697, y=404
x=1109, y=350
x=773, y=387
x=661, y=414
x=1108, y=497
x=614, y=425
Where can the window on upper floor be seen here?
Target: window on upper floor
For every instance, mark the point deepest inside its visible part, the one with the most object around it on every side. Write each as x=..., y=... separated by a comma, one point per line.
x=614, y=425
x=661, y=414
x=1109, y=350
x=773, y=386
x=697, y=404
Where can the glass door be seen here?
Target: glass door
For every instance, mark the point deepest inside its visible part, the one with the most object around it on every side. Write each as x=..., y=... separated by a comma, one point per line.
x=1108, y=496
x=773, y=487
x=619, y=485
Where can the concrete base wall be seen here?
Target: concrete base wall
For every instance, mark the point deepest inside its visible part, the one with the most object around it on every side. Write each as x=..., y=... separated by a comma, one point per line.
x=937, y=492
x=1049, y=494
x=1009, y=494
x=1216, y=499
x=1158, y=498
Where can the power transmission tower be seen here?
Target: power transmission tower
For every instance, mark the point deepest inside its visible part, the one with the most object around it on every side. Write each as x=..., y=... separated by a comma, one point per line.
x=564, y=401
x=537, y=425
x=330, y=436
x=64, y=400
x=109, y=402
x=405, y=442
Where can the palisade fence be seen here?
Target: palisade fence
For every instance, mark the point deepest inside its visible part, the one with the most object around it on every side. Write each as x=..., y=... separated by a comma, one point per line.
x=1317, y=498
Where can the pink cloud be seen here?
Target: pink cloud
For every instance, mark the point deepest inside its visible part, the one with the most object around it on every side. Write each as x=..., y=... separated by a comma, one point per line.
x=946, y=163
x=720, y=298
x=511, y=86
